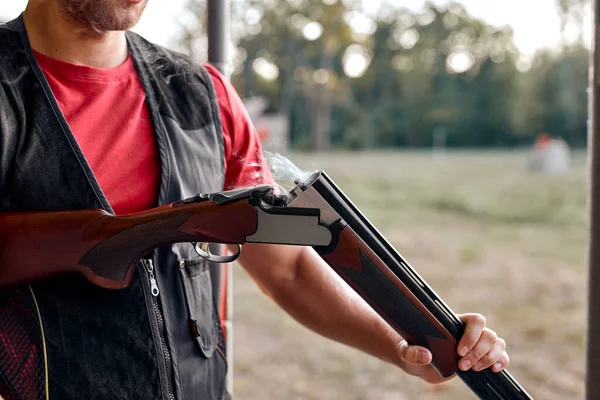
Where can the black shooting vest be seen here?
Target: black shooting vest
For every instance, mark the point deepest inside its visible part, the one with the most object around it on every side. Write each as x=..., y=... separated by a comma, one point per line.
x=80, y=341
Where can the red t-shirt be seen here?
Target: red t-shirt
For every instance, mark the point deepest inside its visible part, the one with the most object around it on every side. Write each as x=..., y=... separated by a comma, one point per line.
x=109, y=117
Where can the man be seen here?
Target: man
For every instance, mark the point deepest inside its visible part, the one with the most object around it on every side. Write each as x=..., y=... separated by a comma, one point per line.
x=92, y=116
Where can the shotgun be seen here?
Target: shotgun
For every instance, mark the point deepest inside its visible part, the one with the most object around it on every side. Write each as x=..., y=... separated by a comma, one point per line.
x=105, y=249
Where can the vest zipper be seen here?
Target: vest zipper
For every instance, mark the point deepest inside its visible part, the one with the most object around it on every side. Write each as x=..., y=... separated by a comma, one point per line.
x=161, y=327
x=153, y=286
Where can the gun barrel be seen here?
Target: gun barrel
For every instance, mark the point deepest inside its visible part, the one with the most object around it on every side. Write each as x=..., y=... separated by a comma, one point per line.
x=363, y=257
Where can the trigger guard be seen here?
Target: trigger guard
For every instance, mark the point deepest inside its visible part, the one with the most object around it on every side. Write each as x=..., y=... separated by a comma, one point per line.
x=207, y=255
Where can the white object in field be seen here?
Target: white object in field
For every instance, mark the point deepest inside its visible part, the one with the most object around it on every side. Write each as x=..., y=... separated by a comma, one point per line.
x=552, y=158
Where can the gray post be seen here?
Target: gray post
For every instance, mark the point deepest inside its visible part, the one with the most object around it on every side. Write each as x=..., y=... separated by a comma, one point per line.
x=218, y=15
x=593, y=333
x=218, y=24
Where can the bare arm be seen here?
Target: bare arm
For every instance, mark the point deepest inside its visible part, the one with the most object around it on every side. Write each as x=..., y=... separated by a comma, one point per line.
x=301, y=283
x=306, y=288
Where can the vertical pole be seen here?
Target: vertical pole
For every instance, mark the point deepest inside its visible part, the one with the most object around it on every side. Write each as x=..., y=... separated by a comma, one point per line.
x=593, y=333
x=219, y=13
x=218, y=24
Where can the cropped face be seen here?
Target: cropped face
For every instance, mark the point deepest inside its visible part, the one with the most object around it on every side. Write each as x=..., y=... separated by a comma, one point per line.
x=104, y=15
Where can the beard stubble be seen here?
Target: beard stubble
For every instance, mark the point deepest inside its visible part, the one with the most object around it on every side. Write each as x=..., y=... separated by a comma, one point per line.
x=103, y=15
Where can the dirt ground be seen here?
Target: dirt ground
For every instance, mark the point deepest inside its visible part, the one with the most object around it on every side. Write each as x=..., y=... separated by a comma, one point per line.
x=487, y=234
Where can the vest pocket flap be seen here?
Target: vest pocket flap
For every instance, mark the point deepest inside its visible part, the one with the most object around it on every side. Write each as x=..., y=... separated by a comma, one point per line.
x=203, y=324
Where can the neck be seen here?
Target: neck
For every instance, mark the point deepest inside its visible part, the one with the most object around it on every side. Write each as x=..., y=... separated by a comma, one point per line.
x=54, y=34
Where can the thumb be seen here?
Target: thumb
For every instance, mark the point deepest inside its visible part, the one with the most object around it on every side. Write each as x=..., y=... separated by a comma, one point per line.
x=414, y=354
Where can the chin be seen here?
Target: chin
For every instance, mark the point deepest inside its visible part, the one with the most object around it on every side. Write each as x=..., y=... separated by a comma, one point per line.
x=125, y=15
x=105, y=15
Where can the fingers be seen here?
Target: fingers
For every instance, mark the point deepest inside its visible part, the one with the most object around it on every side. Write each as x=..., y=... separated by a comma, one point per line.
x=474, y=326
x=414, y=354
x=502, y=363
x=480, y=347
x=492, y=357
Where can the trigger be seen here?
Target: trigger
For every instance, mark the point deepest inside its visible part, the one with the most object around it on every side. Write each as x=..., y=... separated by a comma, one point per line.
x=203, y=251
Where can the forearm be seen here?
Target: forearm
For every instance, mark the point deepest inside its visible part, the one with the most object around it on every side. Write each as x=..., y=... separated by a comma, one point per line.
x=324, y=303
x=328, y=306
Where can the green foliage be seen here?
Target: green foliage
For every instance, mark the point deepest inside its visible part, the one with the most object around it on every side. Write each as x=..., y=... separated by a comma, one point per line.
x=439, y=70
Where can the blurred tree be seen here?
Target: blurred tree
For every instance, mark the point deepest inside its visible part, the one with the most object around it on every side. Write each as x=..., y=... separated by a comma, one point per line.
x=553, y=107
x=348, y=79
x=572, y=15
x=439, y=70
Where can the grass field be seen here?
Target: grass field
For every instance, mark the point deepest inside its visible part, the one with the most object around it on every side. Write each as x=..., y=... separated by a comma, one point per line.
x=488, y=235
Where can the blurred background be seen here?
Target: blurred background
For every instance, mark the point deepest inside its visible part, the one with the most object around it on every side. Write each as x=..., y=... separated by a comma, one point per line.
x=459, y=128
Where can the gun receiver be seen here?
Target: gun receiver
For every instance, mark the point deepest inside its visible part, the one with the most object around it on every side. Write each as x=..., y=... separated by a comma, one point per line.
x=105, y=249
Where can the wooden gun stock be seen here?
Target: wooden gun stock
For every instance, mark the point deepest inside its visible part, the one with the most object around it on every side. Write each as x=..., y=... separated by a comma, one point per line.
x=105, y=248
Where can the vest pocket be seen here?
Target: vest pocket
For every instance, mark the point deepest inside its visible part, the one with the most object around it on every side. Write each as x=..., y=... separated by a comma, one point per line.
x=203, y=319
